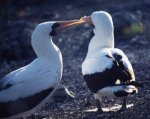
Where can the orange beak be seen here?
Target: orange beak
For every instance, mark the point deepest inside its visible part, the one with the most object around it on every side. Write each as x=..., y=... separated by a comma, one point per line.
x=70, y=23
x=87, y=19
x=66, y=24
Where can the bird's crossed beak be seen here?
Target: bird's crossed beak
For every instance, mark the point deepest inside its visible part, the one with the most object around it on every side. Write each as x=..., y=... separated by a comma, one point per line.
x=60, y=25
x=87, y=19
x=72, y=23
x=66, y=24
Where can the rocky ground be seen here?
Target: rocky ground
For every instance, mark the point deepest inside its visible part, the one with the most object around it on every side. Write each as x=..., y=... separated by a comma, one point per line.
x=131, y=21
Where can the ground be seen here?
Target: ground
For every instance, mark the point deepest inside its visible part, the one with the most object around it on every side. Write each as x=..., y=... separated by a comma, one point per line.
x=131, y=21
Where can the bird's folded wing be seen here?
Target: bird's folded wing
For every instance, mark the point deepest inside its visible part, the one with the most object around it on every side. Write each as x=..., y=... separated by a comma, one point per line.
x=125, y=66
x=11, y=78
x=28, y=74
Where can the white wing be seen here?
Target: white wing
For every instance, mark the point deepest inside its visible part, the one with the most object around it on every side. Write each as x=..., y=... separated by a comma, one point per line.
x=30, y=79
x=125, y=62
x=124, y=59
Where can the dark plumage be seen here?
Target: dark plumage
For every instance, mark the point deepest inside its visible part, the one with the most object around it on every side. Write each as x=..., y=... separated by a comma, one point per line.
x=21, y=105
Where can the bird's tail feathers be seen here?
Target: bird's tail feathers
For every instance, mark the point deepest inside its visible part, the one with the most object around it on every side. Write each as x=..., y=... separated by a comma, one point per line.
x=131, y=89
x=125, y=90
x=136, y=84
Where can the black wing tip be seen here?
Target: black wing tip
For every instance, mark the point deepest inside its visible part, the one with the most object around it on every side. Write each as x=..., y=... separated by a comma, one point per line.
x=137, y=84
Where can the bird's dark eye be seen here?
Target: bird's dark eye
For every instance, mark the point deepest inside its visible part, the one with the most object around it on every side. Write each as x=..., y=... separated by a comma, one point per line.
x=54, y=27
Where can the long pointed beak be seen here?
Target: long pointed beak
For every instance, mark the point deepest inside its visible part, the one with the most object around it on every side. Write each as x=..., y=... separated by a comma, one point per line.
x=60, y=25
x=70, y=23
x=65, y=24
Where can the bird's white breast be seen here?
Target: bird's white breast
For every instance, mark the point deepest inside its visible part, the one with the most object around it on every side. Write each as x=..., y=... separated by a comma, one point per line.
x=96, y=62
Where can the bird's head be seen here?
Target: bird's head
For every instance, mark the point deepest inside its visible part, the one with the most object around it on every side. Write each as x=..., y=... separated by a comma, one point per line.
x=103, y=29
x=52, y=28
x=101, y=20
x=41, y=39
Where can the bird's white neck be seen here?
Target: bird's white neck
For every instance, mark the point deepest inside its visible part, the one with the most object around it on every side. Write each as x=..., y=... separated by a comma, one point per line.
x=42, y=42
x=45, y=49
x=104, y=32
x=104, y=39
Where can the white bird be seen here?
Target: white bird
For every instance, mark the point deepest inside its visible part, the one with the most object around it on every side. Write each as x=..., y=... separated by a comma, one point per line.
x=107, y=70
x=24, y=90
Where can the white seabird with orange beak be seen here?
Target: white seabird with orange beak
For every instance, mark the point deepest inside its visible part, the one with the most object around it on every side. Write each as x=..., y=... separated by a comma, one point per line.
x=24, y=90
x=106, y=69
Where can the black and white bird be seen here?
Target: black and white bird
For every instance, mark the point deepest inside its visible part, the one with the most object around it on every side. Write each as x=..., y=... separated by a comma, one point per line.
x=24, y=90
x=107, y=70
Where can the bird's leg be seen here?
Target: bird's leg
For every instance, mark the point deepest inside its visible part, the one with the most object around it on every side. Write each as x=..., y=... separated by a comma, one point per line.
x=124, y=104
x=62, y=93
x=98, y=103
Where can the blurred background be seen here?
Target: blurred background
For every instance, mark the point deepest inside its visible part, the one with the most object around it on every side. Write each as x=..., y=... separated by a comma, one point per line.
x=132, y=34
